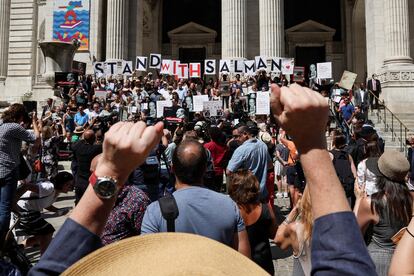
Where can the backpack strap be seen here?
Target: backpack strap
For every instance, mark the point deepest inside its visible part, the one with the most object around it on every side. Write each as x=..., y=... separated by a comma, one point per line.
x=169, y=211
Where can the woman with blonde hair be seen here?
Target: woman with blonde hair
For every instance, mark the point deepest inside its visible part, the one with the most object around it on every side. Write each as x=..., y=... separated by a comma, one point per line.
x=258, y=217
x=296, y=232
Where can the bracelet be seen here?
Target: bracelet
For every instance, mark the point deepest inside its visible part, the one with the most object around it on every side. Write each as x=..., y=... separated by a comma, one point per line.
x=286, y=221
x=408, y=231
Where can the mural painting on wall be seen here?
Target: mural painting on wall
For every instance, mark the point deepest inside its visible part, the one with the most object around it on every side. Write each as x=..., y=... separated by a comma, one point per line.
x=71, y=21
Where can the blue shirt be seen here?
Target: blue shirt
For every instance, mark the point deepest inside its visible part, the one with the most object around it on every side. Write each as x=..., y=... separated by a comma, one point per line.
x=198, y=214
x=347, y=111
x=252, y=155
x=80, y=119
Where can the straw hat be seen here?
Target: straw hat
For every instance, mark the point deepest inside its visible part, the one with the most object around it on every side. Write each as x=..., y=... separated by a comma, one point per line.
x=165, y=254
x=79, y=130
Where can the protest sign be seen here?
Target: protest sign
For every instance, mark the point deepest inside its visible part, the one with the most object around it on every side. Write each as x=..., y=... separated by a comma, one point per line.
x=263, y=103
x=239, y=67
x=182, y=72
x=212, y=108
x=194, y=70
x=101, y=94
x=260, y=63
x=210, y=67
x=99, y=69
x=141, y=63
x=155, y=61
x=299, y=74
x=249, y=67
x=347, y=80
x=127, y=68
x=160, y=107
x=288, y=65
x=166, y=67
x=225, y=66
x=276, y=65
x=111, y=67
x=324, y=70
x=175, y=64
x=198, y=102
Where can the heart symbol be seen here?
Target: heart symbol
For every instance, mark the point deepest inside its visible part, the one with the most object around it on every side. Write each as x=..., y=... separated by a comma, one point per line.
x=287, y=66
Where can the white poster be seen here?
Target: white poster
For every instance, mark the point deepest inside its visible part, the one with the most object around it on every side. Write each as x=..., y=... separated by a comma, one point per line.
x=111, y=68
x=182, y=72
x=99, y=69
x=198, y=102
x=260, y=63
x=160, y=107
x=127, y=68
x=225, y=66
x=210, y=67
x=324, y=70
x=288, y=65
x=212, y=108
x=166, y=67
x=101, y=94
x=155, y=61
x=347, y=80
x=194, y=70
x=141, y=63
x=175, y=64
x=249, y=67
x=263, y=103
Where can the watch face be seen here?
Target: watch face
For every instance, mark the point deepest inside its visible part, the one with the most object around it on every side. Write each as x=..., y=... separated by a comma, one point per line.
x=105, y=188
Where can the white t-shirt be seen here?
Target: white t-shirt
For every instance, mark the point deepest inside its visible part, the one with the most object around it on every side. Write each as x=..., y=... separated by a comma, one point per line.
x=38, y=202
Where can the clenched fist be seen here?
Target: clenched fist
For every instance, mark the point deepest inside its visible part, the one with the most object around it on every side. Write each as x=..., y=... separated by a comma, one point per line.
x=303, y=113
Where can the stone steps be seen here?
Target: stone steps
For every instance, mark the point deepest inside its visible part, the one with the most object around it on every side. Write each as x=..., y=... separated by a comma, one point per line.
x=392, y=141
x=22, y=32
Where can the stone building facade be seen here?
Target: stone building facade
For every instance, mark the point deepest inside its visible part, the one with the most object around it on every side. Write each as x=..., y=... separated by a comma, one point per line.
x=363, y=36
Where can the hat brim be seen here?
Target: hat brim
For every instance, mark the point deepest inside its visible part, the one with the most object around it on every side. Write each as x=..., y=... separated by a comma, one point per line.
x=165, y=254
x=372, y=165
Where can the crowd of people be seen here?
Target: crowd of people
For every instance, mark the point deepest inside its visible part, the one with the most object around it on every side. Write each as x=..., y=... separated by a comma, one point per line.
x=126, y=160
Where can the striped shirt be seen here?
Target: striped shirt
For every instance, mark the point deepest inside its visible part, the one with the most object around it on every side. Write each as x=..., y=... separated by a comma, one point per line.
x=11, y=137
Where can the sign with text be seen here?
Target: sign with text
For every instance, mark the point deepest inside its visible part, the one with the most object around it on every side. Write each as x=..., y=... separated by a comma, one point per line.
x=212, y=108
x=198, y=102
x=263, y=103
x=324, y=70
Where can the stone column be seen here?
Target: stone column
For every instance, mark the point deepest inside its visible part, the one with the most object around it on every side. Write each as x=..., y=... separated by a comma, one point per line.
x=233, y=28
x=272, y=33
x=397, y=36
x=117, y=29
x=4, y=37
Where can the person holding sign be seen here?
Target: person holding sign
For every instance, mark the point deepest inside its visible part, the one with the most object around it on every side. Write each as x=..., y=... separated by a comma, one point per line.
x=225, y=91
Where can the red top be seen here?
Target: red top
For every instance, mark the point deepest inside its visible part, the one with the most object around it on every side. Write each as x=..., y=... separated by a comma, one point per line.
x=219, y=156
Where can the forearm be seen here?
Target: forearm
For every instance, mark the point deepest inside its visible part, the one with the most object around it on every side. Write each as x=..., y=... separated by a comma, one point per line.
x=405, y=248
x=324, y=184
x=98, y=211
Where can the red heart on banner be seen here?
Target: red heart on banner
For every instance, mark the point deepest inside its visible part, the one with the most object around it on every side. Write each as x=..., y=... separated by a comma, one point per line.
x=287, y=66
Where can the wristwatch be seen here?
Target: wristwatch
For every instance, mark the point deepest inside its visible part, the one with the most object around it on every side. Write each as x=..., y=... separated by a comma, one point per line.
x=105, y=187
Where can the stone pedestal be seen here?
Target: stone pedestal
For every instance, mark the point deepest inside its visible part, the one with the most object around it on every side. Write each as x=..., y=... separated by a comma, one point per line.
x=397, y=74
x=4, y=37
x=272, y=37
x=117, y=29
x=233, y=29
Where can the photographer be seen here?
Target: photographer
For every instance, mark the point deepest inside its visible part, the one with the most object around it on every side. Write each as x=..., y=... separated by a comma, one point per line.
x=12, y=133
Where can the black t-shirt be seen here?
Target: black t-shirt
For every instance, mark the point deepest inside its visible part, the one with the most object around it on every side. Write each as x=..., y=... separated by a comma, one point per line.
x=83, y=153
x=258, y=234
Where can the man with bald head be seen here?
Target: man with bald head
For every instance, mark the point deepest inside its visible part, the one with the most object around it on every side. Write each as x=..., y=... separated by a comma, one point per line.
x=83, y=152
x=197, y=205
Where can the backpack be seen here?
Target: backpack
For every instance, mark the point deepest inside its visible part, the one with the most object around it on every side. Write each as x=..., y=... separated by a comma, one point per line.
x=343, y=170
